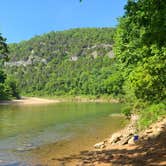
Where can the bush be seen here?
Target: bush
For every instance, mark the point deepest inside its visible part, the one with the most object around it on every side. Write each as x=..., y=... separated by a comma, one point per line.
x=151, y=114
x=11, y=85
x=127, y=111
x=8, y=89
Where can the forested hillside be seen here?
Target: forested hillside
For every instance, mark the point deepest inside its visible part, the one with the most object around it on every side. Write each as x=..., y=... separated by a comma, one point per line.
x=75, y=62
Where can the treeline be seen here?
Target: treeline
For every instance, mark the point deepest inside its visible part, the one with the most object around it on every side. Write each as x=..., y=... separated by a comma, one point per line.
x=8, y=87
x=86, y=76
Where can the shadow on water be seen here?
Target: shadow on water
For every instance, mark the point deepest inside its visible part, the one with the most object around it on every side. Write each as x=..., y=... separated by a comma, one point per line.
x=149, y=152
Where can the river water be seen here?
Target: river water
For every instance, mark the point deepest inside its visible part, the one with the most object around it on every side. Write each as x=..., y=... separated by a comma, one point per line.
x=36, y=134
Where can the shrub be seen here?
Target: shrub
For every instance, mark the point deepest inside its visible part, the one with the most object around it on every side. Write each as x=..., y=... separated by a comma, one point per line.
x=151, y=114
x=127, y=111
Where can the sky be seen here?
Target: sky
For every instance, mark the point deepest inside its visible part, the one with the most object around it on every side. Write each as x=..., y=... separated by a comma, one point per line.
x=23, y=19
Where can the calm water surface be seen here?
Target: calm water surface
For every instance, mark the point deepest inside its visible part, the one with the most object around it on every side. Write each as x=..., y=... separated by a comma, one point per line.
x=36, y=134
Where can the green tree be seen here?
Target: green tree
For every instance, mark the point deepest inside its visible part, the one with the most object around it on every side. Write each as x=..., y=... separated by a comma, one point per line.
x=8, y=86
x=3, y=49
x=140, y=46
x=11, y=83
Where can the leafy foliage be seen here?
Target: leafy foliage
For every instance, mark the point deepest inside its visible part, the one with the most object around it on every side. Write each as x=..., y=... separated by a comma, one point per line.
x=140, y=45
x=150, y=114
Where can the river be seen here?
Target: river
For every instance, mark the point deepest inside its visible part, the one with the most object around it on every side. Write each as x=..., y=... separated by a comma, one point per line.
x=36, y=134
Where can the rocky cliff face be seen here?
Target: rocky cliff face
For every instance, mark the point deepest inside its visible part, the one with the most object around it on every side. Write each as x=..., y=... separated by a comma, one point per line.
x=94, y=51
x=70, y=44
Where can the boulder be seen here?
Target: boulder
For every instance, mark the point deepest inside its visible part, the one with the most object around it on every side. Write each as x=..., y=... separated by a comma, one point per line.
x=115, y=138
x=99, y=145
x=125, y=139
x=131, y=141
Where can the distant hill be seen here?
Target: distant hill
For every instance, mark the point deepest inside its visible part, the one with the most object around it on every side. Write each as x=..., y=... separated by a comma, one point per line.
x=75, y=61
x=71, y=43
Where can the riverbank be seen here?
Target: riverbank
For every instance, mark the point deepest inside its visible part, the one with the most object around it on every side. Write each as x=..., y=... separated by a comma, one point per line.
x=48, y=100
x=29, y=101
x=84, y=98
x=120, y=149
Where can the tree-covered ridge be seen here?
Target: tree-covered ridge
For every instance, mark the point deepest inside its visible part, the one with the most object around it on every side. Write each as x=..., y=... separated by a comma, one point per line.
x=74, y=42
x=86, y=76
x=77, y=61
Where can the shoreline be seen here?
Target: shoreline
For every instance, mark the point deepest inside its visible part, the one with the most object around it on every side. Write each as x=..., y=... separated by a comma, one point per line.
x=28, y=101
x=51, y=100
x=120, y=149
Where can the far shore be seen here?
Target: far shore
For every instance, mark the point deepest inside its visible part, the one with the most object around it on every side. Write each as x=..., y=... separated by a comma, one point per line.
x=29, y=101
x=45, y=100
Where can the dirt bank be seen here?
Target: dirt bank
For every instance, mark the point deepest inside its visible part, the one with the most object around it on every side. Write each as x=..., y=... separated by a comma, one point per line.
x=150, y=150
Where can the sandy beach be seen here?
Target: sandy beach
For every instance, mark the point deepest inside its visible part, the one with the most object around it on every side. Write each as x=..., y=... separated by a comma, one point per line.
x=37, y=100
x=30, y=101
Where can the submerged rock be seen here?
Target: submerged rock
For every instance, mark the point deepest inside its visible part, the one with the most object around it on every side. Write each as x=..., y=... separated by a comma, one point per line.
x=26, y=147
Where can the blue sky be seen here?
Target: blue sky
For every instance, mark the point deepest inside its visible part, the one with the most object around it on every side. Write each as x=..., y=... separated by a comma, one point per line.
x=23, y=19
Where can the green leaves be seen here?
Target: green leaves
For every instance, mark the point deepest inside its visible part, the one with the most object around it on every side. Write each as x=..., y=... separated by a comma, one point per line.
x=151, y=114
x=139, y=49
